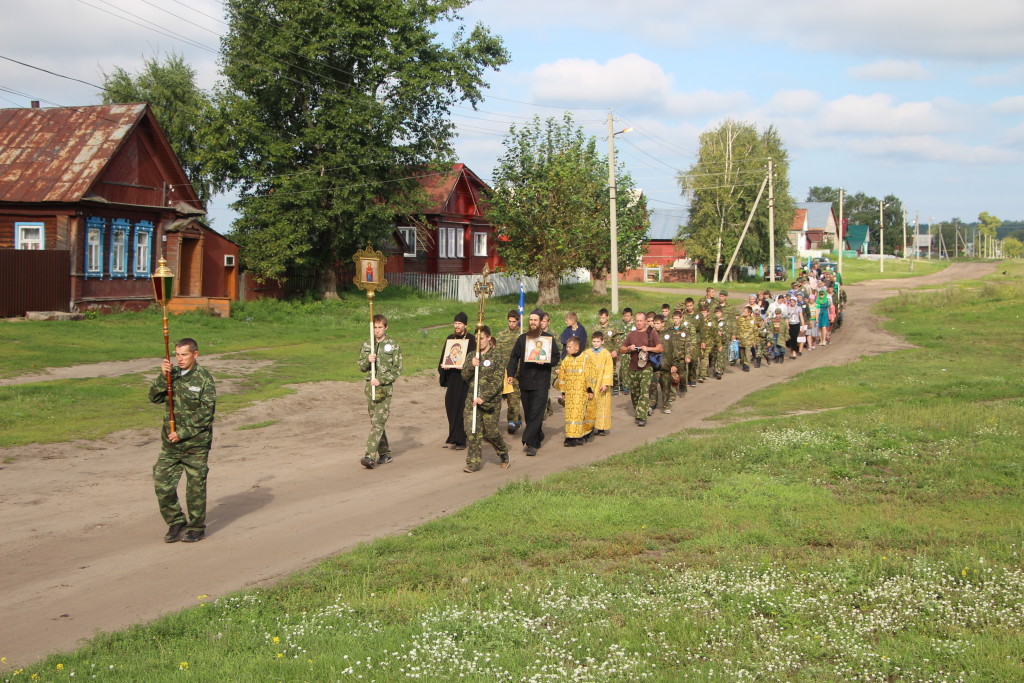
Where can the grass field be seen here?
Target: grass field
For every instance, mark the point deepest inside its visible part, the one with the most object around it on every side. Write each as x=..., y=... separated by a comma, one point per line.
x=880, y=540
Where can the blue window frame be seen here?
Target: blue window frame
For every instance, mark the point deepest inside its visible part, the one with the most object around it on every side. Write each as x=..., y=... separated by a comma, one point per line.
x=30, y=236
x=119, y=231
x=143, y=249
x=95, y=231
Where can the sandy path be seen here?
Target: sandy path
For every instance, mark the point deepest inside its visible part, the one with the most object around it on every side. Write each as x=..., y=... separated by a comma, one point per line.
x=82, y=542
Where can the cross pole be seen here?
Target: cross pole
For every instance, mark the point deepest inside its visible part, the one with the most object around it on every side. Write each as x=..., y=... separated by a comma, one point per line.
x=483, y=288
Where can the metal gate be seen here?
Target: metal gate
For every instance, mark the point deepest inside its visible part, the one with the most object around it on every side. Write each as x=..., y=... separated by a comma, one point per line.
x=34, y=281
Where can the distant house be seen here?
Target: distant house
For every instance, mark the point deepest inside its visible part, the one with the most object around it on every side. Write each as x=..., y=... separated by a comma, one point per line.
x=856, y=239
x=453, y=235
x=814, y=230
x=665, y=259
x=98, y=195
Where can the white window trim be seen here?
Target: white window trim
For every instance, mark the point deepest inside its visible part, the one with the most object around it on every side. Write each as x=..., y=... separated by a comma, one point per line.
x=20, y=242
x=409, y=235
x=451, y=242
x=479, y=244
x=143, y=228
x=94, y=267
x=119, y=262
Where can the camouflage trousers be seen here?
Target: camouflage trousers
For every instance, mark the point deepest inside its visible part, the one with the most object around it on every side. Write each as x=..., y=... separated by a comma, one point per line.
x=514, y=413
x=719, y=355
x=702, y=363
x=762, y=347
x=640, y=391
x=486, y=430
x=166, y=475
x=662, y=393
x=379, y=410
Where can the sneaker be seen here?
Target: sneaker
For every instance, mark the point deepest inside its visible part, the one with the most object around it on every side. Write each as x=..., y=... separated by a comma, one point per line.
x=746, y=368
x=384, y=459
x=511, y=427
x=568, y=443
x=693, y=384
x=666, y=411
x=459, y=447
x=194, y=535
x=641, y=423
x=174, y=533
x=504, y=461
x=367, y=462
x=615, y=391
x=602, y=432
x=625, y=392
x=469, y=469
x=718, y=375
x=650, y=411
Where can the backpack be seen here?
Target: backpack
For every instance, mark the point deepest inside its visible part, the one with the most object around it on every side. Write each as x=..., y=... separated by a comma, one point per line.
x=654, y=359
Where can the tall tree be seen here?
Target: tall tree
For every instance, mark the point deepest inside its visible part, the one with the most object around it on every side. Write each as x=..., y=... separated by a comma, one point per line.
x=333, y=110
x=550, y=197
x=723, y=185
x=1013, y=247
x=183, y=109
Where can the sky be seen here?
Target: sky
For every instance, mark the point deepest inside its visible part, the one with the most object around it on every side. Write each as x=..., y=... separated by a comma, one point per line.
x=917, y=99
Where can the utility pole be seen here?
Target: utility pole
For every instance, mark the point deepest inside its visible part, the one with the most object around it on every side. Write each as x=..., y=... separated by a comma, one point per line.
x=931, y=228
x=613, y=214
x=881, y=238
x=771, y=222
x=904, y=254
x=840, y=236
x=917, y=251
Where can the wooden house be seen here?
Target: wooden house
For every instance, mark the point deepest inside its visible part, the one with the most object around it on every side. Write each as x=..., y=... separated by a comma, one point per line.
x=453, y=236
x=664, y=260
x=90, y=198
x=814, y=229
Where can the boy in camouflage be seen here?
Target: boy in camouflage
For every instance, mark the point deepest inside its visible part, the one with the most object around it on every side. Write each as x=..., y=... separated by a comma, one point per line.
x=707, y=335
x=721, y=335
x=682, y=352
x=661, y=382
x=746, y=333
x=503, y=342
x=491, y=367
x=387, y=358
x=187, y=448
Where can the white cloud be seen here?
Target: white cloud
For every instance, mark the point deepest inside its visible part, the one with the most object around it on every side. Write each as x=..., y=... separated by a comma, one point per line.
x=879, y=114
x=789, y=102
x=933, y=149
x=1008, y=105
x=889, y=70
x=629, y=80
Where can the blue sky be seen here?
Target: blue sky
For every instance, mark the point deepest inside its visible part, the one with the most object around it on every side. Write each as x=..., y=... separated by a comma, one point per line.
x=921, y=100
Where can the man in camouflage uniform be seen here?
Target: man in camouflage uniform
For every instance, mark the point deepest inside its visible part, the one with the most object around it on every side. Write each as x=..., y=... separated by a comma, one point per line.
x=504, y=341
x=693, y=326
x=491, y=365
x=386, y=358
x=186, y=448
x=662, y=380
x=642, y=339
x=682, y=351
x=721, y=335
x=707, y=337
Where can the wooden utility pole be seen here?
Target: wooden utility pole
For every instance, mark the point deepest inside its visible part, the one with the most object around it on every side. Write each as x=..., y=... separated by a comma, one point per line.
x=881, y=238
x=840, y=236
x=917, y=251
x=931, y=227
x=904, y=254
x=725, y=278
x=771, y=222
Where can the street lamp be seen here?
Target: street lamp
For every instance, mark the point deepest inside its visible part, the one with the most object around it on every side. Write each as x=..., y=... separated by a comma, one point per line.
x=613, y=211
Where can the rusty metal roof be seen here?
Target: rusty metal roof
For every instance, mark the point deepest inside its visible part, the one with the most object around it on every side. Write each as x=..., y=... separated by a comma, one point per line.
x=55, y=155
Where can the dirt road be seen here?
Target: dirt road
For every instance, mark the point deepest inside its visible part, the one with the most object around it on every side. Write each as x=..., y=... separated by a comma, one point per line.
x=82, y=541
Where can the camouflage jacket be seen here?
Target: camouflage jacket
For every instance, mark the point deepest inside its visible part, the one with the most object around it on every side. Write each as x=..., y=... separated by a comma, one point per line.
x=492, y=380
x=692, y=325
x=389, y=360
x=682, y=345
x=746, y=329
x=505, y=340
x=610, y=332
x=195, y=402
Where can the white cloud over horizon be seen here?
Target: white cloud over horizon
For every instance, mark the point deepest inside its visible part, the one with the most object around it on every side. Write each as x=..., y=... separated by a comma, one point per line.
x=889, y=70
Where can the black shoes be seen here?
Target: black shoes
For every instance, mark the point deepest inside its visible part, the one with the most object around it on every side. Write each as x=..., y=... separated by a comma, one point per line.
x=530, y=450
x=384, y=459
x=746, y=368
x=194, y=535
x=602, y=432
x=367, y=463
x=459, y=447
x=718, y=375
x=757, y=362
x=173, y=534
x=504, y=462
x=513, y=427
x=641, y=423
x=569, y=443
x=693, y=384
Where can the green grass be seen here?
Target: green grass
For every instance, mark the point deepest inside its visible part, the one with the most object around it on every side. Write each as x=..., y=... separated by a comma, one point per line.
x=881, y=540
x=860, y=270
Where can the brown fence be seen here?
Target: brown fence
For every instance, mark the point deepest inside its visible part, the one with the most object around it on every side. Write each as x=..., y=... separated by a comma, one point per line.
x=34, y=281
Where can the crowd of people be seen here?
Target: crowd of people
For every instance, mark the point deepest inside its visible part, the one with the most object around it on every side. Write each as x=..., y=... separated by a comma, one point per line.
x=651, y=357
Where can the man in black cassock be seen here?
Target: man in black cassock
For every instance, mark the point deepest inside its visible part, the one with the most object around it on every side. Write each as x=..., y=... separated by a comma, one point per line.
x=534, y=380
x=456, y=388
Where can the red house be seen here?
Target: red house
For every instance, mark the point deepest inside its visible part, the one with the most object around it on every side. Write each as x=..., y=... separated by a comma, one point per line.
x=662, y=251
x=90, y=198
x=456, y=237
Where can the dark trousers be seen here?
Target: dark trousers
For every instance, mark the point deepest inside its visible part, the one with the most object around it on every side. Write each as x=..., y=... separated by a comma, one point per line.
x=535, y=402
x=794, y=332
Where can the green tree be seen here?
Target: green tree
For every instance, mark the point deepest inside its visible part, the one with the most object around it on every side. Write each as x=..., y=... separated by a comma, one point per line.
x=332, y=111
x=862, y=209
x=550, y=198
x=723, y=186
x=182, y=108
x=1013, y=247
x=988, y=225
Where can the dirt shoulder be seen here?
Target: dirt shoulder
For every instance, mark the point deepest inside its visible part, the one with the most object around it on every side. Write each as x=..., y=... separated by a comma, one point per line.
x=82, y=537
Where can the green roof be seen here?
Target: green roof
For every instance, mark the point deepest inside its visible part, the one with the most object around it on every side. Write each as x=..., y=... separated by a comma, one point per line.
x=856, y=235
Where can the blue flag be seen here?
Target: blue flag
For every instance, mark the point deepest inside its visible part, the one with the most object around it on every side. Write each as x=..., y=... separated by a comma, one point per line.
x=522, y=299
